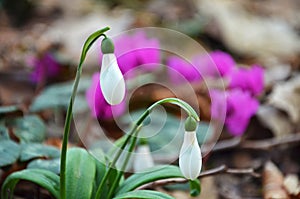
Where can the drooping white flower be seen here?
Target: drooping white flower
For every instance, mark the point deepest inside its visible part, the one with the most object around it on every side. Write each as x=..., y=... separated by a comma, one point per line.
x=190, y=158
x=111, y=79
x=142, y=159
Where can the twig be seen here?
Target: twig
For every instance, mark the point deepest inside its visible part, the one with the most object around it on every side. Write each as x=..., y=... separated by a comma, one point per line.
x=265, y=144
x=273, y=142
x=223, y=169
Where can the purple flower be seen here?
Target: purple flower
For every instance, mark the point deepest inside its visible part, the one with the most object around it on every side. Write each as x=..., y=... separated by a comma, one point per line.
x=44, y=67
x=99, y=107
x=240, y=107
x=248, y=79
x=136, y=50
x=181, y=70
x=215, y=64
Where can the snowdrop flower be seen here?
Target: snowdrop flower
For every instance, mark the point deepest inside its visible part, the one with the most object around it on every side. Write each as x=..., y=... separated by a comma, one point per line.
x=111, y=79
x=142, y=159
x=190, y=158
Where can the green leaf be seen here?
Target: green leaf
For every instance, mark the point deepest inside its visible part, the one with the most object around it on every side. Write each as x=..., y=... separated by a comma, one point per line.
x=35, y=150
x=110, y=179
x=29, y=128
x=8, y=109
x=9, y=152
x=80, y=174
x=43, y=178
x=49, y=165
x=100, y=171
x=153, y=174
x=58, y=96
x=3, y=133
x=144, y=194
x=195, y=188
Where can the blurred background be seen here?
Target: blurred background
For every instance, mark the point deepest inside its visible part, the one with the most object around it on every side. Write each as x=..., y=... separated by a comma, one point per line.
x=40, y=45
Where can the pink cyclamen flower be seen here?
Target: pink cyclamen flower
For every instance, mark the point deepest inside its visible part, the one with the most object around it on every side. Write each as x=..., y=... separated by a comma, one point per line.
x=44, y=67
x=98, y=105
x=215, y=64
x=240, y=107
x=181, y=70
x=248, y=79
x=137, y=50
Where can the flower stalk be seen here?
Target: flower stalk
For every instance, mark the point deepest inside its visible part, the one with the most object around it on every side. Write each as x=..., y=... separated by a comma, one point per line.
x=87, y=45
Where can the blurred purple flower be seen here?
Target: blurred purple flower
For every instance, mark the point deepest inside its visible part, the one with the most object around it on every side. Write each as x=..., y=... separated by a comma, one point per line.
x=240, y=107
x=44, y=67
x=248, y=79
x=181, y=70
x=98, y=105
x=215, y=64
x=136, y=50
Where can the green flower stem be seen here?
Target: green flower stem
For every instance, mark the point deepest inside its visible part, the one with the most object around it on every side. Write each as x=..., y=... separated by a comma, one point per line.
x=125, y=163
x=88, y=43
x=185, y=106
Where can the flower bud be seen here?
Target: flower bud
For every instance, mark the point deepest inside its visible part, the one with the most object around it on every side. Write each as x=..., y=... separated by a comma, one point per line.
x=111, y=79
x=190, y=158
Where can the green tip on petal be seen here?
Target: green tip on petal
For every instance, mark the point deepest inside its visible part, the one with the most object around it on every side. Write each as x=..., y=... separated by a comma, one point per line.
x=190, y=124
x=107, y=46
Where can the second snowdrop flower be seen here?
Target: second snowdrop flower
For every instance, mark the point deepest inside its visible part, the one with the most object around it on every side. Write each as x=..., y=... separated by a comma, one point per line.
x=190, y=158
x=111, y=79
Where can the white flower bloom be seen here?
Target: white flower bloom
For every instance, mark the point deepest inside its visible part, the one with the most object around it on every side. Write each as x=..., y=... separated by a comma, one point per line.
x=142, y=159
x=190, y=158
x=111, y=80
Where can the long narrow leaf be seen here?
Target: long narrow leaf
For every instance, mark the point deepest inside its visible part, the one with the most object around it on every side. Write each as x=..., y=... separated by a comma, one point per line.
x=144, y=194
x=43, y=178
x=156, y=173
x=80, y=174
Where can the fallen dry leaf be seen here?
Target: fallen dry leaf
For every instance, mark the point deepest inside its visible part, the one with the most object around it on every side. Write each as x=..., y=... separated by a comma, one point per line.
x=275, y=120
x=249, y=34
x=273, y=182
x=291, y=184
x=286, y=96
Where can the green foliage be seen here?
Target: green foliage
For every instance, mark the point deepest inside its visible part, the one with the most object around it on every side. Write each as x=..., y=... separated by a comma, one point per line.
x=8, y=109
x=143, y=194
x=9, y=152
x=153, y=174
x=49, y=165
x=36, y=150
x=29, y=128
x=195, y=188
x=43, y=178
x=80, y=174
x=3, y=133
x=58, y=96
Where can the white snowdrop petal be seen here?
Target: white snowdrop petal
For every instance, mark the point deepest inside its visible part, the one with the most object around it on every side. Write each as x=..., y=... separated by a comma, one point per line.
x=190, y=158
x=111, y=80
x=142, y=159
